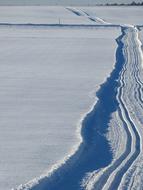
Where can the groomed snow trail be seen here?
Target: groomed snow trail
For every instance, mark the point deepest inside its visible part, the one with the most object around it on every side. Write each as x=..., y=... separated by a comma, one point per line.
x=118, y=175
x=92, y=166
x=121, y=174
x=132, y=97
x=130, y=103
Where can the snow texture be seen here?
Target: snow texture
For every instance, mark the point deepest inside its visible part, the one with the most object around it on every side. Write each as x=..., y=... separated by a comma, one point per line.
x=49, y=78
x=48, y=81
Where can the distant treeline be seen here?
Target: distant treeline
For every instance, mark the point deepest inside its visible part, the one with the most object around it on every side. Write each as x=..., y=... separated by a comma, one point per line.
x=122, y=4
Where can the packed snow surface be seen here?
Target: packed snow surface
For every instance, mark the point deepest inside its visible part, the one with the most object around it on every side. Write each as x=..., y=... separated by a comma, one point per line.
x=141, y=34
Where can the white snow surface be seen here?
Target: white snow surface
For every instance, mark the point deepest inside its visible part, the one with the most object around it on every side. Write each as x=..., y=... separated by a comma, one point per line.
x=141, y=35
x=117, y=15
x=54, y=14
x=48, y=80
x=40, y=15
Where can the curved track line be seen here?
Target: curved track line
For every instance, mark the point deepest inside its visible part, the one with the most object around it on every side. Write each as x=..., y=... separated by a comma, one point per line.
x=118, y=177
x=112, y=177
x=115, y=165
x=90, y=155
x=94, y=151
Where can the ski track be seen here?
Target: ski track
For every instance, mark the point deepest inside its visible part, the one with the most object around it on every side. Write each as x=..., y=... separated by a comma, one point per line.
x=112, y=176
x=85, y=14
x=125, y=82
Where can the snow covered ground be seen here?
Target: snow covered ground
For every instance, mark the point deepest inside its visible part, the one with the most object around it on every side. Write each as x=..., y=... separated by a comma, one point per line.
x=48, y=81
x=40, y=14
x=49, y=77
x=80, y=15
x=117, y=15
x=141, y=34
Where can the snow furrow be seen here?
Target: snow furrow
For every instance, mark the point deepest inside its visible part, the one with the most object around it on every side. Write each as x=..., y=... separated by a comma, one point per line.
x=87, y=15
x=129, y=179
x=122, y=170
x=130, y=142
x=131, y=46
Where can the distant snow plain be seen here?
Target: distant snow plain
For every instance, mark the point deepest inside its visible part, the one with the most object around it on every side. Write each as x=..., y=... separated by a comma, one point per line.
x=49, y=79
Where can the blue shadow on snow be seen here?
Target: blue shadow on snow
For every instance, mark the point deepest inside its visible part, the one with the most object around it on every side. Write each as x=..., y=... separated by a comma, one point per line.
x=95, y=151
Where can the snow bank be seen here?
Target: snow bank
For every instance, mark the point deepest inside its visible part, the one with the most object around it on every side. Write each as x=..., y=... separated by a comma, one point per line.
x=48, y=81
